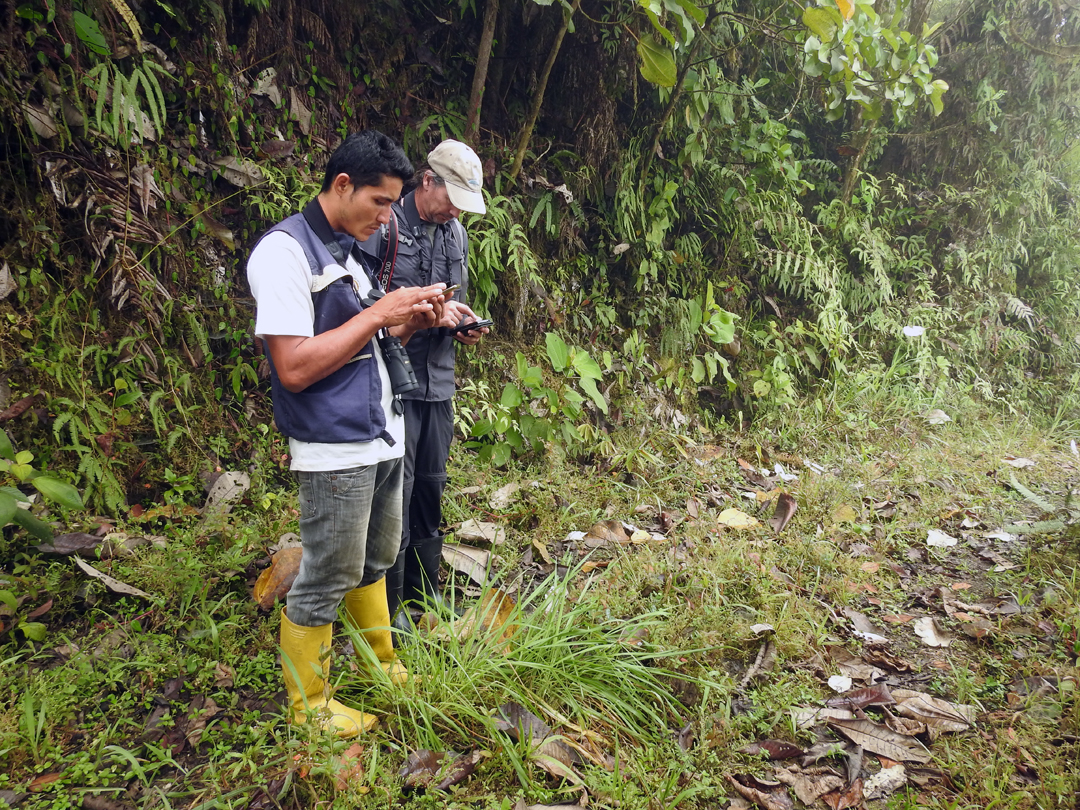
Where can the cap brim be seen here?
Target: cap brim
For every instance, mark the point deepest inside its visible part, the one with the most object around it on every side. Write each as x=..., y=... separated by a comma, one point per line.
x=465, y=199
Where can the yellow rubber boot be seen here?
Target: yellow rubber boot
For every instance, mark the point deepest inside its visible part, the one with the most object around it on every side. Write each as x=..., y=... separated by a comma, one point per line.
x=305, y=662
x=368, y=610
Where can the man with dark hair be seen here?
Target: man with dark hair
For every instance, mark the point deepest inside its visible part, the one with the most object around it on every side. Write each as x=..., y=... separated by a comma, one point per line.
x=324, y=319
x=432, y=248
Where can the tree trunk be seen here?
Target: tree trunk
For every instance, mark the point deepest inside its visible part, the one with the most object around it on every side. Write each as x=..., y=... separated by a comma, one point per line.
x=483, y=58
x=864, y=129
x=538, y=97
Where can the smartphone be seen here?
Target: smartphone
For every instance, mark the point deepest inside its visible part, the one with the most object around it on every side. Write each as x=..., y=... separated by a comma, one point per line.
x=468, y=327
x=451, y=289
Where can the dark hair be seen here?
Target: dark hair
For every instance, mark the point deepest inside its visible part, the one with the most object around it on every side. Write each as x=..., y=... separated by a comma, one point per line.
x=367, y=157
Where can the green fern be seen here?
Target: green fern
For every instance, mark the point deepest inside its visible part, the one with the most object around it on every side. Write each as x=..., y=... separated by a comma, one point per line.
x=1032, y=497
x=120, y=101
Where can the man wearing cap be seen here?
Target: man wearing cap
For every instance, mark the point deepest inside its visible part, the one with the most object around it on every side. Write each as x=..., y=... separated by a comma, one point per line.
x=432, y=248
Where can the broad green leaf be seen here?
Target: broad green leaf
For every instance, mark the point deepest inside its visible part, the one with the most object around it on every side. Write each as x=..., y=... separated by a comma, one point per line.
x=534, y=377
x=570, y=433
x=939, y=87
x=589, y=387
x=87, y=30
x=823, y=22
x=63, y=493
x=585, y=366
x=24, y=472
x=511, y=396
x=721, y=327
x=35, y=631
x=14, y=493
x=659, y=28
x=697, y=371
x=557, y=350
x=513, y=438
x=38, y=528
x=657, y=65
x=127, y=398
x=501, y=454
x=8, y=598
x=24, y=457
x=696, y=14
x=480, y=428
x=8, y=506
x=6, y=450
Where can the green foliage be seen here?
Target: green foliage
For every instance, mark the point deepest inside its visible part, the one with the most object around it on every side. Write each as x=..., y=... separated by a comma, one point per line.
x=533, y=410
x=119, y=101
x=16, y=469
x=870, y=60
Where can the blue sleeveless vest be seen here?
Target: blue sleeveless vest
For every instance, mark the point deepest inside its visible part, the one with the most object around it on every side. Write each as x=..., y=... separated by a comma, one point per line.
x=346, y=405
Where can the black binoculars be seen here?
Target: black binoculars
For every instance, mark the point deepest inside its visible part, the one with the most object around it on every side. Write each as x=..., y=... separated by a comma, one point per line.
x=398, y=365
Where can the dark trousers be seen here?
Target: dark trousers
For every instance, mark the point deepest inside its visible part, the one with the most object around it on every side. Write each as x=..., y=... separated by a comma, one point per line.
x=429, y=428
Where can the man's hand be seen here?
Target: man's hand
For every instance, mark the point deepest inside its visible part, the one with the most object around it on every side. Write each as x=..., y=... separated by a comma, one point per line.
x=421, y=316
x=410, y=304
x=301, y=361
x=459, y=313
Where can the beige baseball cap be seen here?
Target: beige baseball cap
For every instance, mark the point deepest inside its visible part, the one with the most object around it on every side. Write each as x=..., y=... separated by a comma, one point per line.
x=459, y=166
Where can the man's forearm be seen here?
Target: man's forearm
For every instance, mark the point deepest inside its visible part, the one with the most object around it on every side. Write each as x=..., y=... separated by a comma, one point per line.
x=301, y=362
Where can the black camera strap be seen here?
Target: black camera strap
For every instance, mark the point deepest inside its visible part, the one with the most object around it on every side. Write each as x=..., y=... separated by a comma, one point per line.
x=386, y=271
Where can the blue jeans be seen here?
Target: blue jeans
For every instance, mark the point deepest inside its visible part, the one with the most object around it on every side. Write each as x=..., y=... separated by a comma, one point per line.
x=350, y=525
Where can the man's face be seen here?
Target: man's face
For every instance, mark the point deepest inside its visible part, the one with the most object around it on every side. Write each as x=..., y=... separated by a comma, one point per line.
x=363, y=210
x=433, y=202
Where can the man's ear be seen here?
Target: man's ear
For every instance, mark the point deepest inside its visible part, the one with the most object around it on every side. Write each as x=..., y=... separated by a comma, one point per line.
x=341, y=183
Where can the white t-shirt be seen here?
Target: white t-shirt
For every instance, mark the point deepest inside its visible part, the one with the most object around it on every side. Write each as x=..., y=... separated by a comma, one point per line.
x=281, y=283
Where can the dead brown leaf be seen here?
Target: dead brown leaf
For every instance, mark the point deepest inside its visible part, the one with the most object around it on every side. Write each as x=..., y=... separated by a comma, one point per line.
x=542, y=550
x=840, y=800
x=114, y=585
x=810, y=784
x=877, y=654
x=274, y=582
x=773, y=749
x=879, y=739
x=473, y=562
x=459, y=770
x=490, y=616
x=766, y=798
x=44, y=780
x=877, y=695
x=686, y=737
x=605, y=532
x=807, y=716
x=423, y=766
x=936, y=713
x=785, y=510
x=74, y=543
x=348, y=768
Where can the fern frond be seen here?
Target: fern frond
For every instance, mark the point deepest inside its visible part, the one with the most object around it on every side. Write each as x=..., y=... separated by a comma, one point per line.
x=129, y=17
x=1037, y=500
x=1021, y=311
x=1039, y=527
